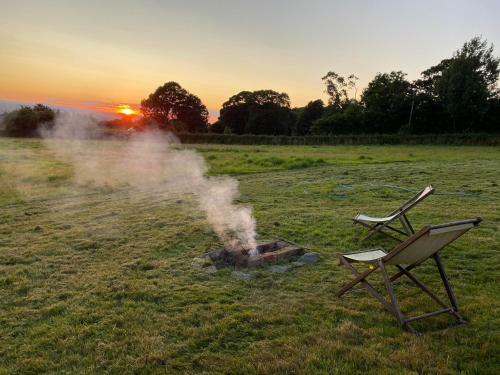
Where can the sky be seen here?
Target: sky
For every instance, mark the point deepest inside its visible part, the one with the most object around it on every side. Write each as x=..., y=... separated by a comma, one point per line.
x=95, y=55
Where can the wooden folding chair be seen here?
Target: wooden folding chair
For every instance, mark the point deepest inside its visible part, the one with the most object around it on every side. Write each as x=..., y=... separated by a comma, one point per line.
x=378, y=224
x=406, y=256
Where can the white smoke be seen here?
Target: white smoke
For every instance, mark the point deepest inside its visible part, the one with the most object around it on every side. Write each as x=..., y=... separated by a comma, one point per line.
x=152, y=161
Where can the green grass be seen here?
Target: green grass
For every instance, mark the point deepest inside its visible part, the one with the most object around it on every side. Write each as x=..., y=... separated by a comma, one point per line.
x=237, y=159
x=96, y=280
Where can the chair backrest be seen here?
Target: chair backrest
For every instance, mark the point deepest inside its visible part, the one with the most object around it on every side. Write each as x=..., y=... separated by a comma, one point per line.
x=428, y=241
x=414, y=200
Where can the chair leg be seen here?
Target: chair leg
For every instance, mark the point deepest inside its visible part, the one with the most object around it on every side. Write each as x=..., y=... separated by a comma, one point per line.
x=449, y=291
x=397, y=231
x=401, y=273
x=406, y=225
x=395, y=304
x=422, y=286
x=377, y=228
x=372, y=230
x=360, y=278
x=428, y=291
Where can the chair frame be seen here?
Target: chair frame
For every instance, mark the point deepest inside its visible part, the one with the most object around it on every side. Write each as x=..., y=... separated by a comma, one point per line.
x=393, y=305
x=399, y=213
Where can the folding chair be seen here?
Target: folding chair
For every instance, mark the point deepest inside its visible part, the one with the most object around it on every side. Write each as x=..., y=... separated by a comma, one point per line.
x=378, y=224
x=406, y=256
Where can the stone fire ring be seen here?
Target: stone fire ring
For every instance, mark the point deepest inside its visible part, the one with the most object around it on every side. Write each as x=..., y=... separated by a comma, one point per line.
x=268, y=252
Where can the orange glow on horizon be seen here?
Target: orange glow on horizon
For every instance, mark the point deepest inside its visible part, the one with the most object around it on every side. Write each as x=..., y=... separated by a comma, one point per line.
x=123, y=110
x=126, y=110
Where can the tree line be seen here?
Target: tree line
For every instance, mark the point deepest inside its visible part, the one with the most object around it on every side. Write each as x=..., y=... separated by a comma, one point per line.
x=458, y=95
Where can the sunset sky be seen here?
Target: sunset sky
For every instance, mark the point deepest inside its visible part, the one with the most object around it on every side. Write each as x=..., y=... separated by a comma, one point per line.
x=99, y=54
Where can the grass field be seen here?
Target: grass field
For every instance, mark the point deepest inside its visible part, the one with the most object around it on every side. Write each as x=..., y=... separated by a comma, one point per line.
x=96, y=280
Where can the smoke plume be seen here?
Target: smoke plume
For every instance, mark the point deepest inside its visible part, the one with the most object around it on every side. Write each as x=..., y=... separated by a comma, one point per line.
x=153, y=161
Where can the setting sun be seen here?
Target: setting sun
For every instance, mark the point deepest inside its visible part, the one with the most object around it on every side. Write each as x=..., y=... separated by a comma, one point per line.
x=125, y=109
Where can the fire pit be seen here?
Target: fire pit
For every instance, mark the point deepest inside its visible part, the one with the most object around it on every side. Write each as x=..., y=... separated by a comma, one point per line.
x=268, y=251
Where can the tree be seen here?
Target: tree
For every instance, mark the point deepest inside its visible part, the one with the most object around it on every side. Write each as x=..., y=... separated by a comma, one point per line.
x=310, y=113
x=491, y=121
x=25, y=121
x=387, y=100
x=269, y=120
x=429, y=116
x=44, y=113
x=337, y=88
x=216, y=127
x=171, y=106
x=236, y=110
x=465, y=84
x=351, y=120
x=254, y=112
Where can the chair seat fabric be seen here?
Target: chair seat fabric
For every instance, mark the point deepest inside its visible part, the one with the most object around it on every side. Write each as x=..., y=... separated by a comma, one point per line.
x=369, y=219
x=368, y=256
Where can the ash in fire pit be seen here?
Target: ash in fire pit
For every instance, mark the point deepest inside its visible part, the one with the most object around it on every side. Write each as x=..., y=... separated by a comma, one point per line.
x=267, y=252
